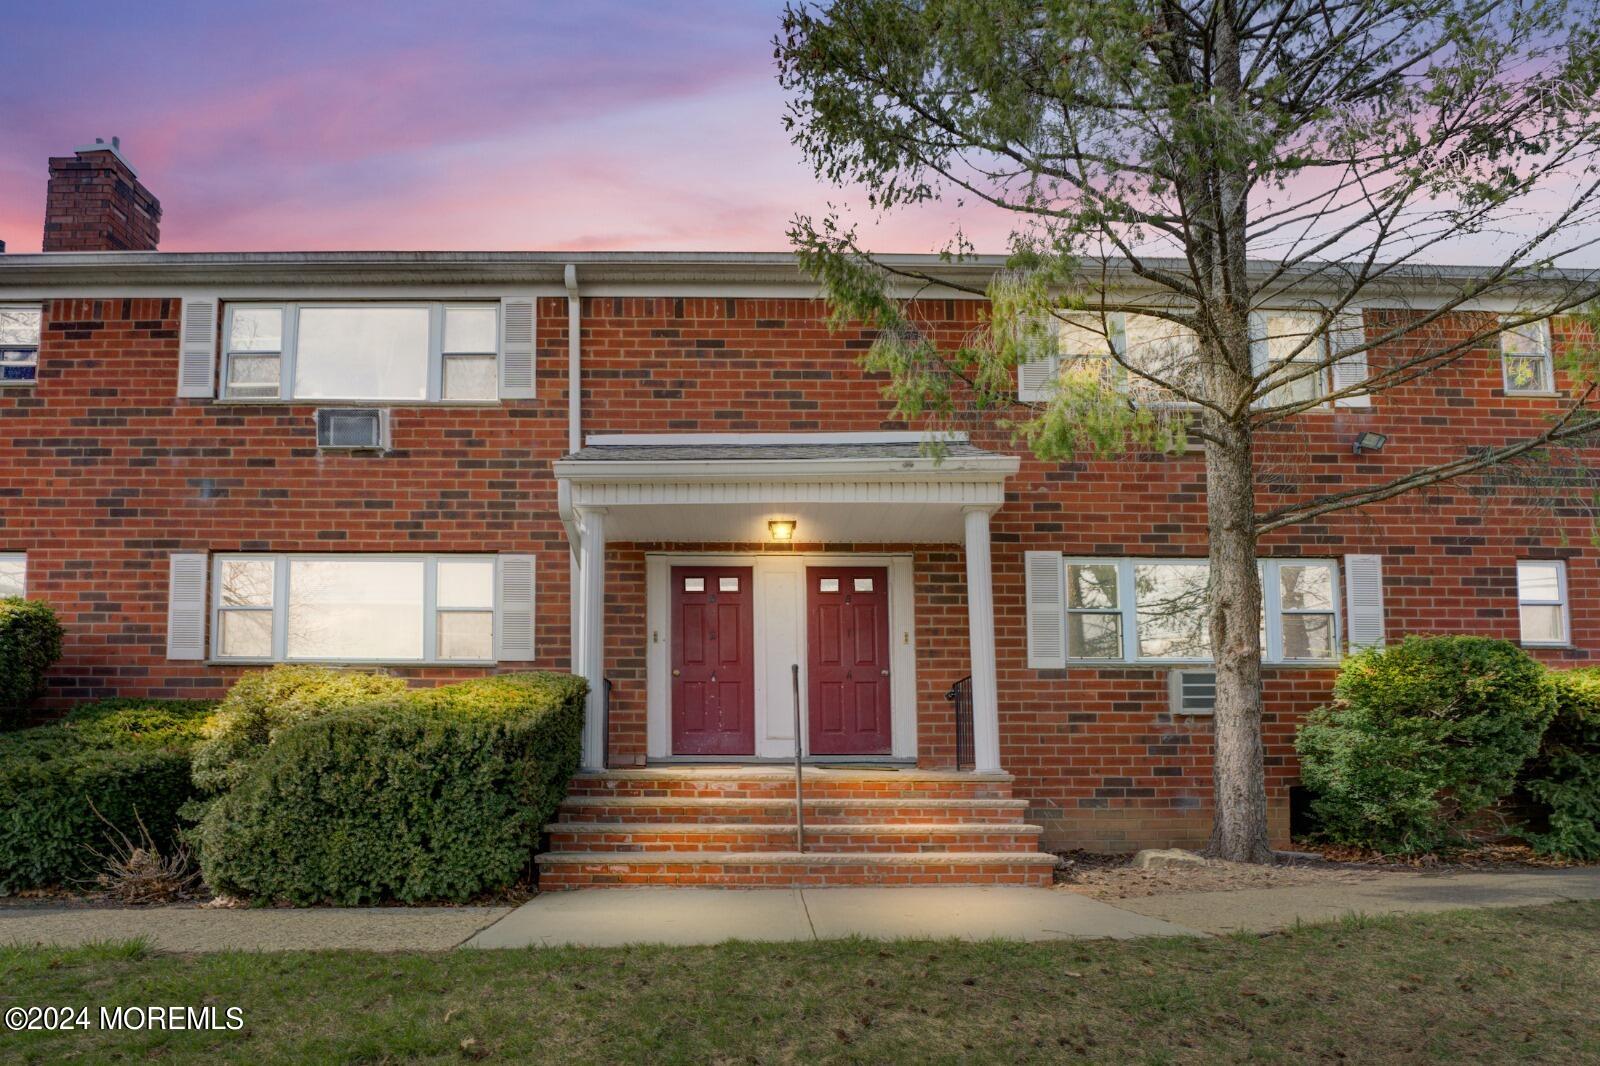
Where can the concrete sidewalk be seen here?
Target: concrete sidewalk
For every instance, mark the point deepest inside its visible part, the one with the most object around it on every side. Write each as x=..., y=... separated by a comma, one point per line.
x=1264, y=909
x=616, y=916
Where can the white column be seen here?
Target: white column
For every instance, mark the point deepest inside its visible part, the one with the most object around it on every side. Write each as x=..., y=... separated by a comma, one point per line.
x=591, y=655
x=980, y=638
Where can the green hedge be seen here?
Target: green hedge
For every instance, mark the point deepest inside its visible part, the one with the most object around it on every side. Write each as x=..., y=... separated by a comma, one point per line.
x=30, y=643
x=1563, y=779
x=128, y=759
x=261, y=705
x=437, y=795
x=1422, y=736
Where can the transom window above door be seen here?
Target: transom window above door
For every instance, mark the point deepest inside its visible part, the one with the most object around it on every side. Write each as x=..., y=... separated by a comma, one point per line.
x=391, y=352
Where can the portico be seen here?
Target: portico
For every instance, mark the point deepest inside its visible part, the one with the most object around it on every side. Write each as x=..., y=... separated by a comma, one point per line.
x=770, y=573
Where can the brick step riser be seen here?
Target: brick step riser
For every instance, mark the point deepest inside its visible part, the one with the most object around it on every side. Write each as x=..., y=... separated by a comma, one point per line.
x=743, y=875
x=833, y=843
x=886, y=814
x=784, y=790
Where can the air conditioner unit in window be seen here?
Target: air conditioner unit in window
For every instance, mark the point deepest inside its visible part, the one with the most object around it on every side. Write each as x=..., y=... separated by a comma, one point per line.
x=1192, y=691
x=363, y=429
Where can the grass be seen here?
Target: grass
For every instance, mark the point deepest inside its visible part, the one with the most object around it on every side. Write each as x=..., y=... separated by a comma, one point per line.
x=1470, y=986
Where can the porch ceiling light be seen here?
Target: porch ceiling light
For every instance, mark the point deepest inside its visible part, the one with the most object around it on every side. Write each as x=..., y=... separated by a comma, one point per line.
x=781, y=529
x=1369, y=442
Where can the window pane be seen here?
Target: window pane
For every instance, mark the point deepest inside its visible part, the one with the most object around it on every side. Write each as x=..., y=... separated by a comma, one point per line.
x=355, y=609
x=13, y=576
x=362, y=353
x=1305, y=588
x=469, y=329
x=1292, y=334
x=1092, y=585
x=466, y=635
x=1524, y=340
x=727, y=584
x=1541, y=624
x=466, y=583
x=1171, y=602
x=828, y=584
x=1539, y=581
x=1094, y=636
x=253, y=370
x=1526, y=373
x=862, y=584
x=1085, y=336
x=256, y=329
x=246, y=634
x=247, y=582
x=471, y=377
x=1163, y=349
x=1308, y=636
x=20, y=326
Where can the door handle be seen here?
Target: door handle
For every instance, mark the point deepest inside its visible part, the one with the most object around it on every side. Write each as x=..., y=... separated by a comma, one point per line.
x=675, y=673
x=885, y=673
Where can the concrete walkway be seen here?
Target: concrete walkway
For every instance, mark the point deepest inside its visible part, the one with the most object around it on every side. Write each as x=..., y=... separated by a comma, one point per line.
x=1264, y=909
x=610, y=917
x=191, y=928
x=615, y=916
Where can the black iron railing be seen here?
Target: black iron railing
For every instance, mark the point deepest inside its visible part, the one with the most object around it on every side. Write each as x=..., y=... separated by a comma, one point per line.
x=960, y=697
x=605, y=724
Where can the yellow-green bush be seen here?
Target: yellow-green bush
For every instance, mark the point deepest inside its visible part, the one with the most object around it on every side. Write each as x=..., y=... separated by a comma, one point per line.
x=437, y=794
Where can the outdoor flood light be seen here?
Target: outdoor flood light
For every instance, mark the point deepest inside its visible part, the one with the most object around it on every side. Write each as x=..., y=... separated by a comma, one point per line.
x=782, y=529
x=1370, y=442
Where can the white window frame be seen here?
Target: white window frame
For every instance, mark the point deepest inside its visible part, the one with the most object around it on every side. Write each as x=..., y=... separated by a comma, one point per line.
x=1316, y=351
x=280, y=605
x=28, y=383
x=1563, y=601
x=18, y=557
x=1546, y=356
x=1271, y=652
x=432, y=394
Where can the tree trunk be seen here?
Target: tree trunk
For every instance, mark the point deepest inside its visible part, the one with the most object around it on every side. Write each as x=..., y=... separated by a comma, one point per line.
x=1239, y=821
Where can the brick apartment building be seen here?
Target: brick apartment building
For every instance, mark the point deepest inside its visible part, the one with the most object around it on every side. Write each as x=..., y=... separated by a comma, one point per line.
x=665, y=472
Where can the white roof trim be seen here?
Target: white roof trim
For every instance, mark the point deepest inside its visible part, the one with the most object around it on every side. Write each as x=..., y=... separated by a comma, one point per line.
x=995, y=468
x=692, y=439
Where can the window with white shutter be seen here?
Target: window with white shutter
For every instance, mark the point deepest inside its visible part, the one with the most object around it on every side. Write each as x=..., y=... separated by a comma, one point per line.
x=1363, y=576
x=517, y=376
x=514, y=598
x=1046, y=619
x=186, y=606
x=1346, y=333
x=197, y=346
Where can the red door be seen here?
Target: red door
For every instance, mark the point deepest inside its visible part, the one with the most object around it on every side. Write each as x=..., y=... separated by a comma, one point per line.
x=713, y=661
x=847, y=612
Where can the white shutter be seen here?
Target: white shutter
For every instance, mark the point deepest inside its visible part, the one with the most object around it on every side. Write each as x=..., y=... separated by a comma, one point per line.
x=186, y=606
x=1363, y=607
x=1345, y=332
x=197, y=347
x=513, y=601
x=1035, y=379
x=1047, y=639
x=516, y=348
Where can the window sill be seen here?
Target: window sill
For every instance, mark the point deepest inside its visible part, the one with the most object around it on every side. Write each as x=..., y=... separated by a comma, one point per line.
x=19, y=384
x=1542, y=394
x=241, y=401
x=361, y=663
x=1547, y=647
x=1200, y=664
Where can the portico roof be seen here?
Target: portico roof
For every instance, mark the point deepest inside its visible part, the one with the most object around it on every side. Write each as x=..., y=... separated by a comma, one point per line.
x=724, y=488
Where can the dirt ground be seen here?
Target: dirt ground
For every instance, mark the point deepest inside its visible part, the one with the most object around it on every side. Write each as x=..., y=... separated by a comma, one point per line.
x=1111, y=877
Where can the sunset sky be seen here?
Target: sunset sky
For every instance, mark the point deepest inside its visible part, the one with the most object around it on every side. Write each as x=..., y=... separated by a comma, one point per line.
x=424, y=124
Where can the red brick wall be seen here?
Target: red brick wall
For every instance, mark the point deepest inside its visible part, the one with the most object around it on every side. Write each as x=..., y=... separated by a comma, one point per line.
x=107, y=473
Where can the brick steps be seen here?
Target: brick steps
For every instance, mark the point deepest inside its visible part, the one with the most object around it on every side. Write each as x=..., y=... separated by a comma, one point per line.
x=722, y=810
x=734, y=827
x=774, y=869
x=628, y=837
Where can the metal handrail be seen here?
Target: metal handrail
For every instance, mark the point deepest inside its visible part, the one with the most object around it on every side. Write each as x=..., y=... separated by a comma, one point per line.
x=799, y=788
x=960, y=697
x=605, y=724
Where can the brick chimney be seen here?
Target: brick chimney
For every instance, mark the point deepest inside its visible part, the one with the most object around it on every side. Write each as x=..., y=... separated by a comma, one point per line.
x=96, y=203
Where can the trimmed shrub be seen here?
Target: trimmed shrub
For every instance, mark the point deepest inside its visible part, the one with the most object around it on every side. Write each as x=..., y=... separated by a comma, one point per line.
x=261, y=705
x=1422, y=736
x=126, y=759
x=438, y=795
x=1563, y=779
x=30, y=643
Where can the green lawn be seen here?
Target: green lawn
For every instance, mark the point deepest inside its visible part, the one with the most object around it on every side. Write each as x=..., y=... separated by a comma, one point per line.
x=1484, y=986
